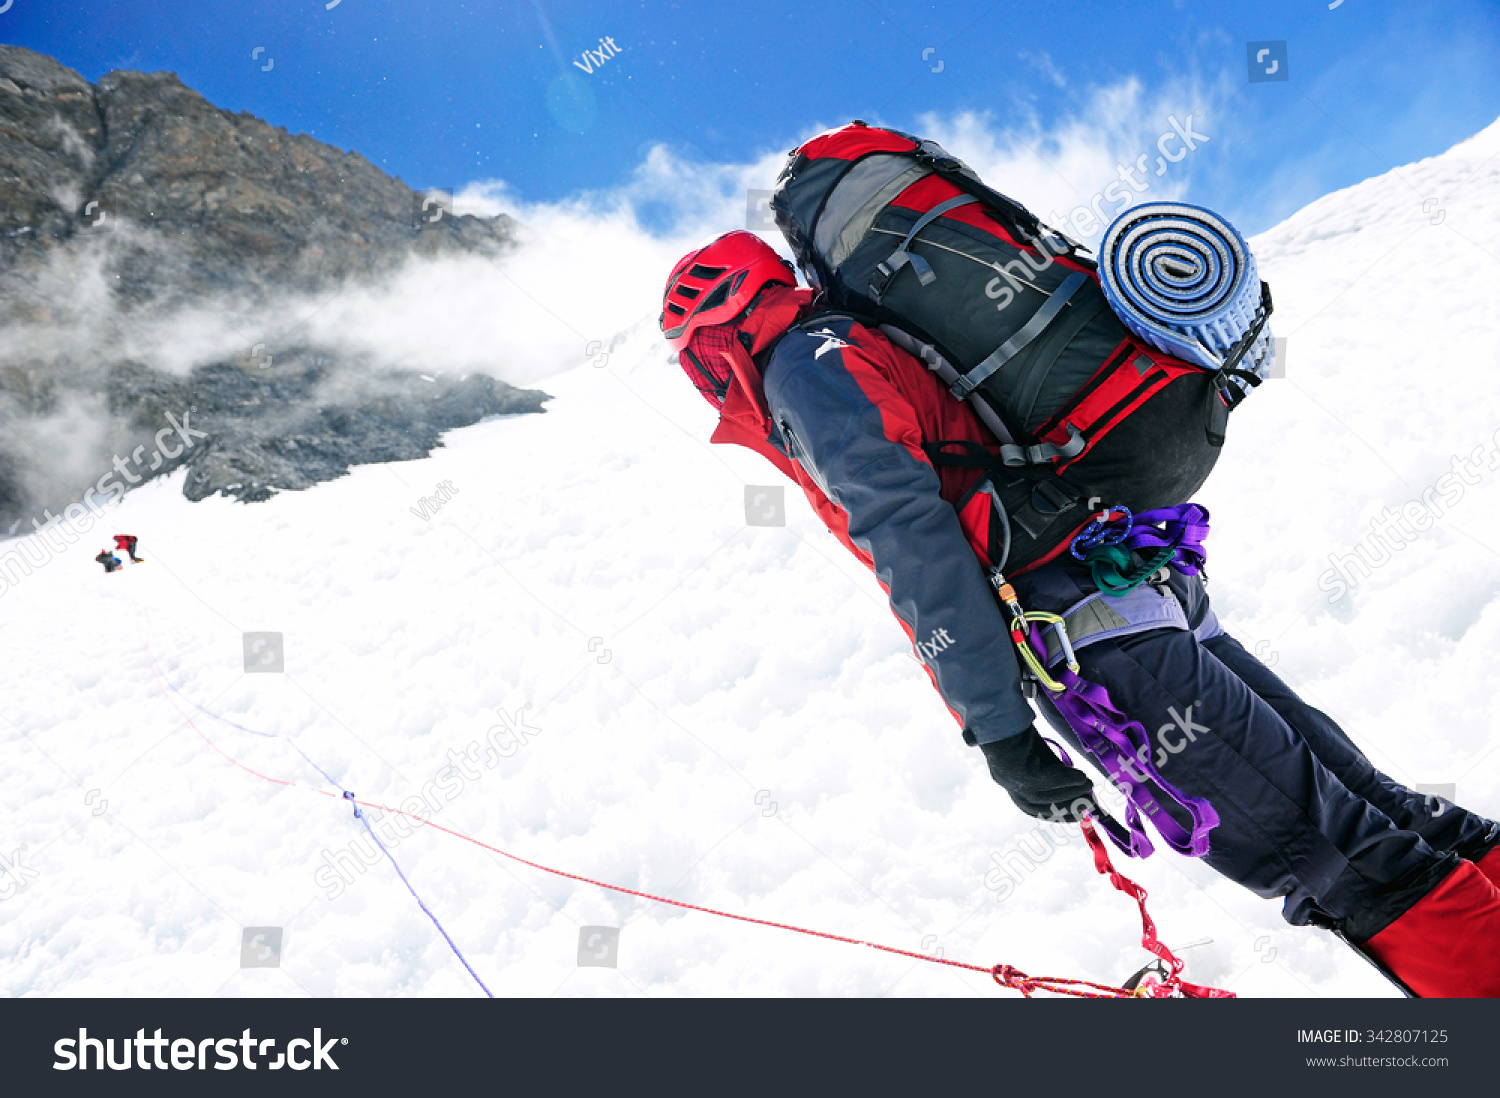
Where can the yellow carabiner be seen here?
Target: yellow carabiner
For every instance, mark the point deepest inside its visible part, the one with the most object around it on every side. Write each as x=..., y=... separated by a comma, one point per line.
x=1021, y=635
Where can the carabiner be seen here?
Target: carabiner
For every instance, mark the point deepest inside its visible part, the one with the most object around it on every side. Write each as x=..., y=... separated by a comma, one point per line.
x=1060, y=628
x=1021, y=635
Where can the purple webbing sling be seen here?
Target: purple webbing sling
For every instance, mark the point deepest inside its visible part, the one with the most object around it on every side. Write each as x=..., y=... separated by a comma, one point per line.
x=1120, y=744
x=1182, y=528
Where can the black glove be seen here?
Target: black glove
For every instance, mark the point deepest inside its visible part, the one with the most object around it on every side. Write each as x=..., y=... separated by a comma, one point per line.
x=1036, y=779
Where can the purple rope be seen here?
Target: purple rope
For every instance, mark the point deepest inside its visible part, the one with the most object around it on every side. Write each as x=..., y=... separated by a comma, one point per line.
x=264, y=735
x=360, y=816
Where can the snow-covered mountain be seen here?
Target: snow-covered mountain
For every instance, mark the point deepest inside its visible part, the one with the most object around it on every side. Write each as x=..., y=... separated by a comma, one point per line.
x=723, y=713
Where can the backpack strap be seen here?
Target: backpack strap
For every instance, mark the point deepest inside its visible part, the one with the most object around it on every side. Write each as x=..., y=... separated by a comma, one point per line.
x=1229, y=370
x=1032, y=501
x=1226, y=395
x=1032, y=369
x=902, y=255
x=823, y=316
x=1044, y=453
x=1034, y=327
x=1012, y=455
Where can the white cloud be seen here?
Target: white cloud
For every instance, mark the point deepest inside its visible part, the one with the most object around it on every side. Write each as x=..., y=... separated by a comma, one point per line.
x=1054, y=170
x=1044, y=64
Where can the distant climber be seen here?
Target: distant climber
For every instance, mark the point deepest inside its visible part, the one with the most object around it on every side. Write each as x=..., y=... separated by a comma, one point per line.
x=125, y=543
x=109, y=560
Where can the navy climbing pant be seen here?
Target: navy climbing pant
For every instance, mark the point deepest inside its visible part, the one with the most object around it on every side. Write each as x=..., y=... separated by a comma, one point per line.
x=1302, y=813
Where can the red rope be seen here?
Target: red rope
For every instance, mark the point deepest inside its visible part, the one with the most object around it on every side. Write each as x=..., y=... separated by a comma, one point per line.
x=1004, y=975
x=1174, y=985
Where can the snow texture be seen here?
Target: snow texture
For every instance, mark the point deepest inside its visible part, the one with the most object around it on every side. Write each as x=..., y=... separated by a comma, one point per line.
x=727, y=713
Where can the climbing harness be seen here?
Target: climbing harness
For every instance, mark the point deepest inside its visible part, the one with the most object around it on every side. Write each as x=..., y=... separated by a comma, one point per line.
x=1119, y=744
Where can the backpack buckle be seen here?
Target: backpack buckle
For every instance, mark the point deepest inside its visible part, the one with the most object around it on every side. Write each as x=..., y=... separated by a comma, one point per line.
x=938, y=158
x=1051, y=499
x=961, y=387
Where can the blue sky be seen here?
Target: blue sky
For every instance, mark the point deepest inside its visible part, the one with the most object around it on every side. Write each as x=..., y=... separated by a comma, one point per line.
x=444, y=94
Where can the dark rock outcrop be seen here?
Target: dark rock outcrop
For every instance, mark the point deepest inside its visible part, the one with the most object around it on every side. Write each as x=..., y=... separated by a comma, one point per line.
x=172, y=203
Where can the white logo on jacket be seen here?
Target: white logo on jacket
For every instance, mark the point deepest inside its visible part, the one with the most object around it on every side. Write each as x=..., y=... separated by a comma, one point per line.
x=830, y=341
x=939, y=642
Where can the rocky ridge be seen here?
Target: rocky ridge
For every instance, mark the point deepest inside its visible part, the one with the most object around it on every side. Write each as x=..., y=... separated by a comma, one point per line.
x=168, y=202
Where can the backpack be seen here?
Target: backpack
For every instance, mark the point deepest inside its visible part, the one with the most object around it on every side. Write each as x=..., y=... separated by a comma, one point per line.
x=1010, y=316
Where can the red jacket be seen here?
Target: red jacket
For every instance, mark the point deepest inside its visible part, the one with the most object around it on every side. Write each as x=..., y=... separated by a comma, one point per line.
x=844, y=413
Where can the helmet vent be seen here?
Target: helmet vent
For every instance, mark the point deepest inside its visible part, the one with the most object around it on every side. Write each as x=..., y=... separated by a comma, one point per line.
x=700, y=271
x=717, y=298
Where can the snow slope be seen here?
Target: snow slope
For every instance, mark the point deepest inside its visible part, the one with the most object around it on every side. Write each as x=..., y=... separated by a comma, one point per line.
x=726, y=714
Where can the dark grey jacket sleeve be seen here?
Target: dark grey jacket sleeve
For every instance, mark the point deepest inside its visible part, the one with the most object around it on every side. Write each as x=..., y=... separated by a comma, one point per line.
x=937, y=586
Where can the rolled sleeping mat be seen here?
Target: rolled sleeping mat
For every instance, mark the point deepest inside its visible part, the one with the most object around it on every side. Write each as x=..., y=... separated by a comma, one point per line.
x=1183, y=280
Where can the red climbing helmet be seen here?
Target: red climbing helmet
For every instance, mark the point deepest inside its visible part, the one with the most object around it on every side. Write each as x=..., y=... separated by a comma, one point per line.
x=716, y=283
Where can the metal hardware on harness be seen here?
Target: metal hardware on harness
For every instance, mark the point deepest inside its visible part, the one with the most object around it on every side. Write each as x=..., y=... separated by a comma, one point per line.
x=1044, y=453
x=1020, y=634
